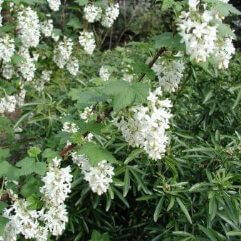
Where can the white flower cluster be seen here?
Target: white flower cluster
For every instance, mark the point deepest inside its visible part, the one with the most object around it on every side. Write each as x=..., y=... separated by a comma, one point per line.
x=99, y=177
x=45, y=77
x=169, y=73
x=87, y=41
x=51, y=218
x=224, y=53
x=7, y=48
x=104, y=73
x=63, y=52
x=73, y=66
x=146, y=126
x=92, y=13
x=70, y=127
x=111, y=14
x=57, y=186
x=28, y=27
x=87, y=113
x=7, y=71
x=23, y=221
x=9, y=103
x=54, y=4
x=27, y=67
x=199, y=31
x=47, y=28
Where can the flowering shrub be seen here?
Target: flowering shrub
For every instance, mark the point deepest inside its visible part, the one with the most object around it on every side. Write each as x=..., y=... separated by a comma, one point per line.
x=139, y=142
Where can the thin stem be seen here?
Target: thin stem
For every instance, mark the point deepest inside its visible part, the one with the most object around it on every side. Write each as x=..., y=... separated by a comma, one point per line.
x=155, y=58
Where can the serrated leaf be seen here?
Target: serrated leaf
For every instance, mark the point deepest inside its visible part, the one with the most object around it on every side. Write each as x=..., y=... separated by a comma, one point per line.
x=96, y=153
x=141, y=91
x=3, y=222
x=9, y=171
x=123, y=99
x=49, y=154
x=31, y=186
x=169, y=40
x=87, y=97
x=29, y=165
x=166, y=4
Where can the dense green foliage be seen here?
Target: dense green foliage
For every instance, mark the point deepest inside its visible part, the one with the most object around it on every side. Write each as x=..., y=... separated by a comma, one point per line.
x=192, y=194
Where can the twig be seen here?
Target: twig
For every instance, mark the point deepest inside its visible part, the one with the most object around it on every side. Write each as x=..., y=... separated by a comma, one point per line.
x=155, y=58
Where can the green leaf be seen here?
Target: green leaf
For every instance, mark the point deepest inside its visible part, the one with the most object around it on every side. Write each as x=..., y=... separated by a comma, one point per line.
x=141, y=91
x=9, y=171
x=29, y=165
x=75, y=23
x=123, y=99
x=158, y=209
x=169, y=40
x=81, y=2
x=32, y=186
x=34, y=151
x=184, y=209
x=96, y=236
x=234, y=233
x=126, y=182
x=4, y=154
x=167, y=4
x=87, y=97
x=49, y=154
x=3, y=222
x=208, y=232
x=2, y=206
x=96, y=153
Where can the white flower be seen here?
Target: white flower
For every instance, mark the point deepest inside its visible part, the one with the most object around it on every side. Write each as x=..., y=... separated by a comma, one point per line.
x=92, y=13
x=73, y=66
x=70, y=127
x=146, y=126
x=224, y=52
x=7, y=71
x=111, y=14
x=23, y=221
x=104, y=73
x=57, y=184
x=9, y=103
x=198, y=33
x=193, y=4
x=27, y=67
x=54, y=4
x=47, y=27
x=89, y=137
x=87, y=113
x=45, y=77
x=55, y=219
x=63, y=52
x=99, y=177
x=28, y=27
x=7, y=48
x=87, y=41
x=169, y=73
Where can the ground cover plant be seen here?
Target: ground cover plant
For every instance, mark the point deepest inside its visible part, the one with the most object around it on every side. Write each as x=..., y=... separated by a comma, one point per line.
x=120, y=120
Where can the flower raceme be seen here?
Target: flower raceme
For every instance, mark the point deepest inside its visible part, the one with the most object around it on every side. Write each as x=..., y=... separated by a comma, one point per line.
x=36, y=224
x=146, y=126
x=198, y=28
